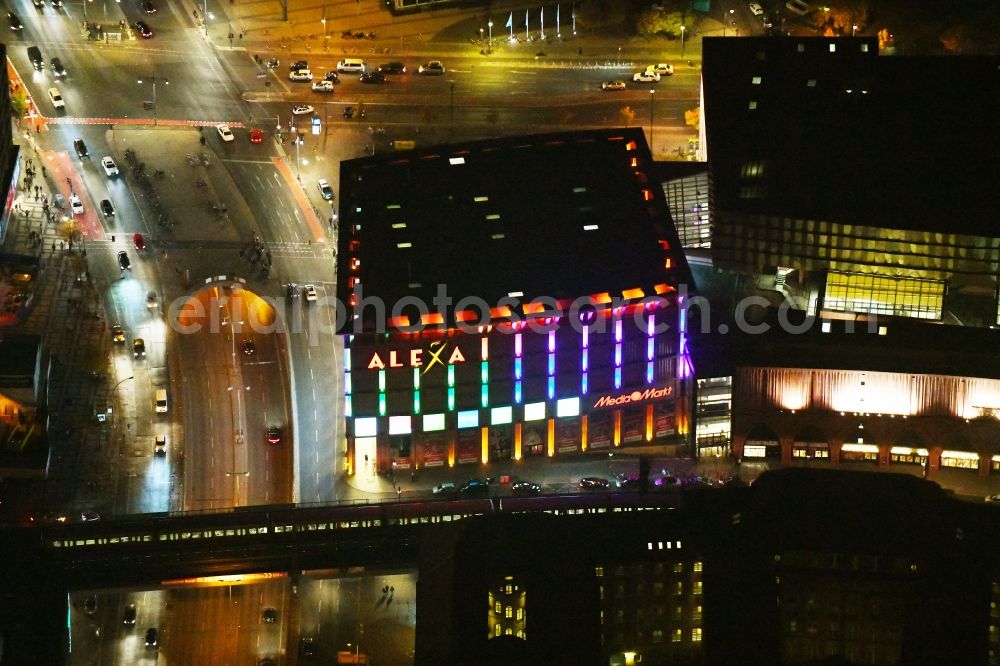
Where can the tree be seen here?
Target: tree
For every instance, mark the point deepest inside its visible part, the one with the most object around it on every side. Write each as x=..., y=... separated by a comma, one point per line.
x=692, y=118
x=660, y=21
x=69, y=231
x=841, y=19
x=605, y=14
x=627, y=115
x=19, y=102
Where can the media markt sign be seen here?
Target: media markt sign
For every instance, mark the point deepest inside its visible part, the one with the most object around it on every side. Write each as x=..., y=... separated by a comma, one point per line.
x=634, y=397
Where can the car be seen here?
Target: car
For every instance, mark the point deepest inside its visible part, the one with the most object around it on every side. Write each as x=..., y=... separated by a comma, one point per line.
x=107, y=208
x=297, y=65
x=270, y=616
x=993, y=499
x=293, y=290
x=301, y=109
x=81, y=149
x=225, y=133
x=152, y=639
x=160, y=445
x=300, y=75
x=474, y=487
x=308, y=646
x=147, y=6
x=57, y=67
x=646, y=77
x=322, y=86
x=663, y=69
x=90, y=516
x=139, y=348
x=274, y=435
x=432, y=67
x=256, y=136
x=128, y=617
x=372, y=77
x=90, y=604
x=117, y=334
x=266, y=661
x=110, y=168
x=627, y=482
x=57, y=4
x=139, y=242
x=151, y=300
x=325, y=189
x=143, y=29
x=613, y=85
x=123, y=261
x=797, y=7
x=392, y=68
x=332, y=76
x=310, y=292
x=445, y=488
x=56, y=98
x=525, y=487
x=594, y=482
x=248, y=347
x=14, y=21
x=39, y=4
x=756, y=9
x=75, y=204
x=666, y=482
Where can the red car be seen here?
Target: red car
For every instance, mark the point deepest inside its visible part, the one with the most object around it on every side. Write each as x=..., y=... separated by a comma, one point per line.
x=256, y=136
x=273, y=435
x=138, y=241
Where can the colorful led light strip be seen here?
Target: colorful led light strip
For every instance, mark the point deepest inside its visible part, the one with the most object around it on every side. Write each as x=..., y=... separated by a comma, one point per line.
x=650, y=346
x=484, y=372
x=416, y=390
x=381, y=392
x=552, y=366
x=584, y=358
x=618, y=352
x=451, y=388
x=684, y=368
x=517, y=369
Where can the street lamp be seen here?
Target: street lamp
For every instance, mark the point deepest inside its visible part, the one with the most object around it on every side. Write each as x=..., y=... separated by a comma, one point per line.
x=323, y=21
x=854, y=29
x=490, y=25
x=153, y=80
x=682, y=40
x=732, y=17
x=652, y=96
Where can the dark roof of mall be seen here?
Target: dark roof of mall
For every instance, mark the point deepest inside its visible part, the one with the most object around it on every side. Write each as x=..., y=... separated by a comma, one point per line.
x=795, y=129
x=513, y=216
x=908, y=345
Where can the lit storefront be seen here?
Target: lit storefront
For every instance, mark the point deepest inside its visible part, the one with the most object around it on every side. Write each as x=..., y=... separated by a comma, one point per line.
x=547, y=387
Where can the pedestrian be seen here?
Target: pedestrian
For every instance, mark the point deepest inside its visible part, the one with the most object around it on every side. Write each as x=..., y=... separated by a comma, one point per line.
x=53, y=247
x=60, y=245
x=580, y=53
x=43, y=170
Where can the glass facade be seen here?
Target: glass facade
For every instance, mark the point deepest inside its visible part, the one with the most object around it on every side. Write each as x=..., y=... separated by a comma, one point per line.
x=885, y=295
x=688, y=199
x=713, y=416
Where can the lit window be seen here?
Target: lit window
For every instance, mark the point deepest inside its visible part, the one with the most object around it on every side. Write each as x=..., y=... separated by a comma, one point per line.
x=678, y=567
x=696, y=634
x=433, y=422
x=753, y=105
x=833, y=48
x=501, y=415
x=811, y=83
x=697, y=587
x=864, y=48
x=454, y=161
x=534, y=411
x=403, y=246
x=756, y=80
x=598, y=571
x=497, y=607
x=468, y=419
x=400, y=425
x=697, y=567
x=366, y=427
x=497, y=629
x=677, y=636
x=508, y=612
x=825, y=327
x=520, y=614
x=568, y=407
x=882, y=330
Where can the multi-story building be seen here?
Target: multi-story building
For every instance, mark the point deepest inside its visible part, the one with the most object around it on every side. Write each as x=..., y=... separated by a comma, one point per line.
x=510, y=298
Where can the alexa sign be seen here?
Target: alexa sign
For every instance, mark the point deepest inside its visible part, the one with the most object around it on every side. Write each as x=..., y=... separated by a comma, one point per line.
x=415, y=358
x=633, y=397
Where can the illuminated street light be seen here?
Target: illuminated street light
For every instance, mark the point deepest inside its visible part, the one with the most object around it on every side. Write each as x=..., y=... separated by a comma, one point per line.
x=490, y=24
x=153, y=80
x=652, y=96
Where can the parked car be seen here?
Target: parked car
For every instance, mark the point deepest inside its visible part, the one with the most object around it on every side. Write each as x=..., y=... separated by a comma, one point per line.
x=594, y=482
x=432, y=67
x=322, y=86
x=147, y=6
x=325, y=189
x=90, y=516
x=756, y=9
x=372, y=77
x=300, y=75
x=474, y=487
x=445, y=488
x=525, y=487
x=297, y=65
x=332, y=76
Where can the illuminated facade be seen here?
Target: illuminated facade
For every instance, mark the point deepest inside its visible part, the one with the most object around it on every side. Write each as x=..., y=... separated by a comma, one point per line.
x=840, y=213
x=566, y=333
x=508, y=609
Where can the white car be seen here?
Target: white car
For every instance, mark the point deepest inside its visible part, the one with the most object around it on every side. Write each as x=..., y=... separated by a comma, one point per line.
x=646, y=77
x=325, y=189
x=613, y=85
x=109, y=165
x=300, y=75
x=301, y=109
x=56, y=97
x=663, y=69
x=756, y=9
x=76, y=204
x=322, y=86
x=310, y=292
x=160, y=445
x=993, y=499
x=797, y=7
x=226, y=133
x=432, y=67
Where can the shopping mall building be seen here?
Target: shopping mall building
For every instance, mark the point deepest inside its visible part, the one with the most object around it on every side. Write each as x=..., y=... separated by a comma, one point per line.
x=510, y=298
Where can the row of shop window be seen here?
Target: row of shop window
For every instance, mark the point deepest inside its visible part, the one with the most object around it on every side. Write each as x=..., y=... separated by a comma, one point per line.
x=869, y=453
